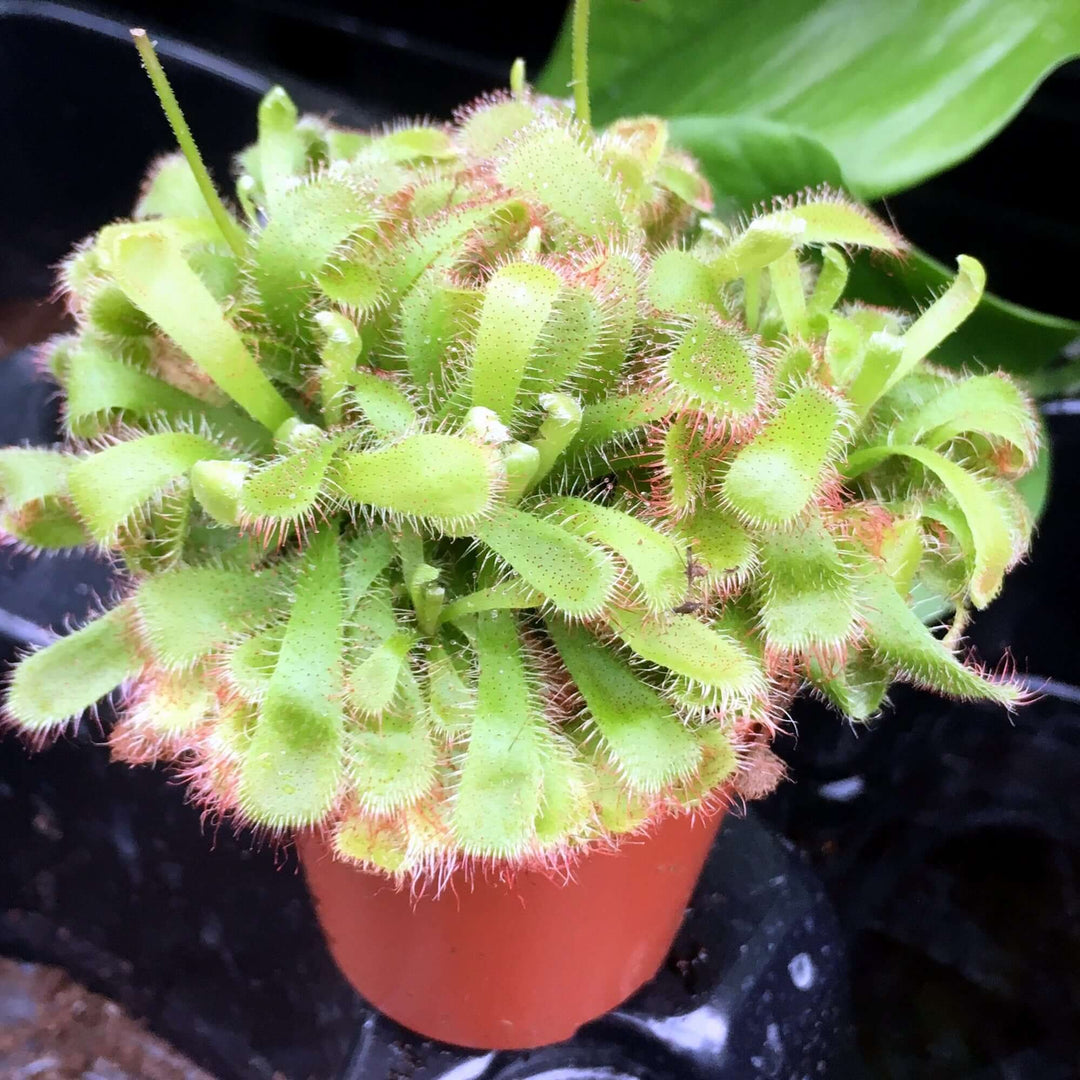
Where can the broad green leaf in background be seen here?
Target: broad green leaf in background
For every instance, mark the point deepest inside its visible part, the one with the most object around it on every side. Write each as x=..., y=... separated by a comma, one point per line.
x=749, y=159
x=896, y=89
x=998, y=334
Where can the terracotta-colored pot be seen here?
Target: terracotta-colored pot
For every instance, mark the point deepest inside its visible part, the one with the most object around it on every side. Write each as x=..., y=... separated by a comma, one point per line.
x=500, y=965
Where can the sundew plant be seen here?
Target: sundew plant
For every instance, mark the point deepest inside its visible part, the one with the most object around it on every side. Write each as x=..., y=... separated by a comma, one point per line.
x=480, y=497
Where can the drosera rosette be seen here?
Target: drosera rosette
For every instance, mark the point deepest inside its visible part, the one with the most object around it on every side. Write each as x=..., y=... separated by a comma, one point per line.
x=481, y=499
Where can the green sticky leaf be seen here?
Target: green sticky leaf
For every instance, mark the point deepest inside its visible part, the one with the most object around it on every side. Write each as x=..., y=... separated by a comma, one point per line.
x=438, y=245
x=775, y=475
x=901, y=551
x=34, y=507
x=656, y=561
x=166, y=706
x=379, y=845
x=709, y=658
x=371, y=622
x=614, y=277
x=507, y=595
x=217, y=486
x=830, y=283
x=338, y=353
x=292, y=769
x=364, y=557
x=719, y=543
x=286, y=490
x=416, y=143
x=714, y=366
x=613, y=418
x=517, y=301
x=828, y=218
x=844, y=71
x=110, y=487
x=430, y=476
x=385, y=406
x=942, y=317
x=644, y=740
x=898, y=638
x=572, y=338
x=1034, y=486
x=719, y=763
x=29, y=473
x=433, y=320
x=451, y=699
x=988, y=405
x=248, y=665
x=152, y=271
x=48, y=525
x=566, y=811
x=618, y=809
x=574, y=576
x=857, y=688
x=490, y=122
x=760, y=244
x=355, y=281
x=555, y=433
x=808, y=601
x=551, y=166
x=374, y=682
x=186, y=613
x=109, y=313
x=993, y=547
x=310, y=223
x=421, y=580
x=390, y=761
x=171, y=191
x=873, y=362
x=684, y=465
x=281, y=151
x=99, y=389
x=498, y=795
x=58, y=683
x=786, y=283
x=680, y=282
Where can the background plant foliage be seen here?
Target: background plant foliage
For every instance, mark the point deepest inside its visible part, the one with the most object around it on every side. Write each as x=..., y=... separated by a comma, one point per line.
x=782, y=94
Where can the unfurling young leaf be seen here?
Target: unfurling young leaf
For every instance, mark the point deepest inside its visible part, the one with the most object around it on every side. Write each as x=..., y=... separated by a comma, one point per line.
x=807, y=597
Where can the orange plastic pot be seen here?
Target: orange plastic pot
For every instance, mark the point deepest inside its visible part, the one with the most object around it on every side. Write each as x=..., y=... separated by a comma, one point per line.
x=510, y=965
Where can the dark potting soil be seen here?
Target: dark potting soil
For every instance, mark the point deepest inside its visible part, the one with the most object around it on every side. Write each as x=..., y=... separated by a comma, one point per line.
x=53, y=1029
